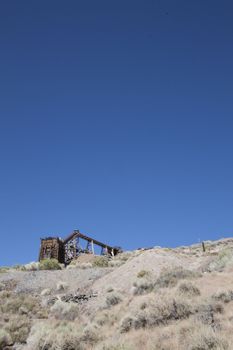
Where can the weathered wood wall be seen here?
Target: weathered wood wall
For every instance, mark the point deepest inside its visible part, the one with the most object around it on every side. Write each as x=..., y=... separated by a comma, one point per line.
x=52, y=248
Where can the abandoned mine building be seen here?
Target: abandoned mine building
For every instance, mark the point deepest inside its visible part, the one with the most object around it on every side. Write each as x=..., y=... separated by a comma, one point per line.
x=65, y=250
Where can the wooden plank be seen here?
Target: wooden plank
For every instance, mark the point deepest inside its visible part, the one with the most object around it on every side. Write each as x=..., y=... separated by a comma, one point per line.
x=86, y=238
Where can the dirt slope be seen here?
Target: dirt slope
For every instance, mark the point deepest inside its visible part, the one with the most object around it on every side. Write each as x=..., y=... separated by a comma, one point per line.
x=161, y=299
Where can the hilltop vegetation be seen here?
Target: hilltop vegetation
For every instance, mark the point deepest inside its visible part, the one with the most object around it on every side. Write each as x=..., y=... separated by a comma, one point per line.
x=156, y=299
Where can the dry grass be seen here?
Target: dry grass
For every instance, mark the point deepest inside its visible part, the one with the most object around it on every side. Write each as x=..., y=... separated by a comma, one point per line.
x=199, y=337
x=170, y=277
x=4, y=269
x=223, y=259
x=64, y=311
x=62, y=336
x=188, y=289
x=143, y=273
x=100, y=261
x=142, y=286
x=11, y=303
x=5, y=339
x=224, y=296
x=154, y=312
x=18, y=327
x=113, y=299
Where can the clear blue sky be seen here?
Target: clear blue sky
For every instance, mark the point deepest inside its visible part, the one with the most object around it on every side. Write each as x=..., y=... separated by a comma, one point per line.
x=116, y=118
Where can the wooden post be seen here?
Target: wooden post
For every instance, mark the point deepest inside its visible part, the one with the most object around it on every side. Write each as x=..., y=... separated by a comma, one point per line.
x=92, y=247
x=203, y=246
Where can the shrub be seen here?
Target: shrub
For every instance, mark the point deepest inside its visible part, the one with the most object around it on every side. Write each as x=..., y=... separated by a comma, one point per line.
x=18, y=327
x=13, y=303
x=4, y=295
x=100, y=261
x=19, y=267
x=8, y=285
x=64, y=311
x=4, y=269
x=142, y=286
x=170, y=278
x=124, y=256
x=206, y=314
x=127, y=323
x=86, y=265
x=80, y=265
x=116, y=263
x=102, y=319
x=49, y=264
x=90, y=334
x=5, y=339
x=54, y=336
x=226, y=297
x=156, y=314
x=204, y=338
x=113, y=299
x=32, y=266
x=116, y=347
x=223, y=259
x=188, y=289
x=143, y=273
x=61, y=336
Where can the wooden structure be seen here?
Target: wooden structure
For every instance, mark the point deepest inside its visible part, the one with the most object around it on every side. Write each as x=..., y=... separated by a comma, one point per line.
x=72, y=246
x=52, y=248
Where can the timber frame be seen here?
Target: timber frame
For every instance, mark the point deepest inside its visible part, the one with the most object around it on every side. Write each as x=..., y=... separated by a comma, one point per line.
x=65, y=250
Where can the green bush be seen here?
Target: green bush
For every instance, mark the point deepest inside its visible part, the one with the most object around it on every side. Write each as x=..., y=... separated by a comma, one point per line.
x=49, y=264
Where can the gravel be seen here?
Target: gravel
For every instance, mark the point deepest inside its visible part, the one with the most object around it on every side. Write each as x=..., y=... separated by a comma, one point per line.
x=36, y=281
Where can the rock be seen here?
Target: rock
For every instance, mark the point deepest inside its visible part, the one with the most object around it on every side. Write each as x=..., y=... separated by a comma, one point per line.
x=77, y=298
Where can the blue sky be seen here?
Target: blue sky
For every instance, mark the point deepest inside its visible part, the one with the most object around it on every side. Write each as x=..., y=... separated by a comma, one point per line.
x=116, y=118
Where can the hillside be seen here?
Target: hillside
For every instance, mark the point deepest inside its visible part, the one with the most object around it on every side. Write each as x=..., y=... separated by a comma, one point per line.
x=156, y=299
